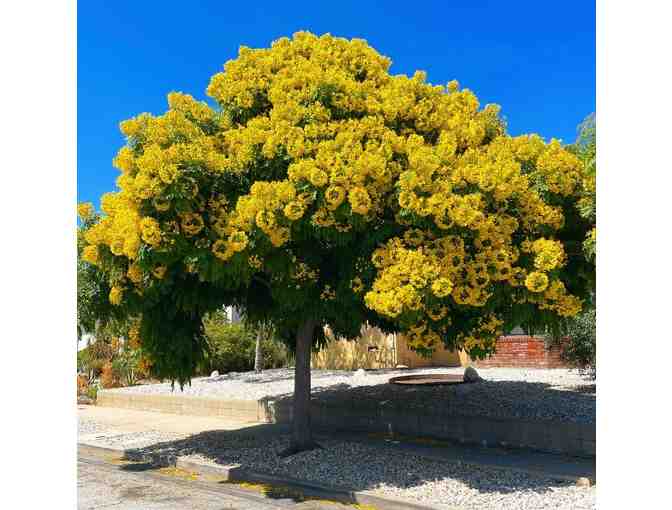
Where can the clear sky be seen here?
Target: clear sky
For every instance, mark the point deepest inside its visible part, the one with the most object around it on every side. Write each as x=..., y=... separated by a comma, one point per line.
x=535, y=59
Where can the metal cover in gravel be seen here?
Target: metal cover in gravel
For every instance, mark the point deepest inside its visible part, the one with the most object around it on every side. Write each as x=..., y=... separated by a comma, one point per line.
x=428, y=379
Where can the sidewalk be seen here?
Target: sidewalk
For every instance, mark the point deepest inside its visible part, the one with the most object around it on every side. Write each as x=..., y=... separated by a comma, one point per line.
x=125, y=421
x=130, y=420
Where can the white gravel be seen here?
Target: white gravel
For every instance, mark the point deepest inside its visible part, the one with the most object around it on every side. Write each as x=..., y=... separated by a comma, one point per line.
x=87, y=427
x=544, y=394
x=381, y=470
x=253, y=386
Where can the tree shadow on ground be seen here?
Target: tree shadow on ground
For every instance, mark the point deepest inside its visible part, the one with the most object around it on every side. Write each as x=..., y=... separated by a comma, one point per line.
x=586, y=388
x=350, y=465
x=493, y=399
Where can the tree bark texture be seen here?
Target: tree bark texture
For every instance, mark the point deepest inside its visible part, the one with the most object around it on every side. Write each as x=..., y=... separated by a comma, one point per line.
x=302, y=438
x=258, y=359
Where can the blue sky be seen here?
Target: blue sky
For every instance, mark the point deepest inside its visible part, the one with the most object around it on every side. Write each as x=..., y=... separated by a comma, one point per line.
x=535, y=59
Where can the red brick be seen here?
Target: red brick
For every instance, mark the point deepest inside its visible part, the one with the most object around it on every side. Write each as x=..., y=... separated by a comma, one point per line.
x=523, y=351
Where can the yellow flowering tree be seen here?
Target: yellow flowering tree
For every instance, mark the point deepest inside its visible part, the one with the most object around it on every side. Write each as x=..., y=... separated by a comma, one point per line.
x=323, y=190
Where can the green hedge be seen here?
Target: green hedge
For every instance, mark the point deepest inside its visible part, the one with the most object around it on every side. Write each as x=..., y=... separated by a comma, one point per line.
x=581, y=348
x=232, y=347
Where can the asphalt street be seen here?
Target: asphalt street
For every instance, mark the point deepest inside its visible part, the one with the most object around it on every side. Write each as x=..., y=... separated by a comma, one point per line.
x=105, y=485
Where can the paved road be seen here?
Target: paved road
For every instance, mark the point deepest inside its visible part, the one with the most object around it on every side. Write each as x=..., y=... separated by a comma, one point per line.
x=102, y=485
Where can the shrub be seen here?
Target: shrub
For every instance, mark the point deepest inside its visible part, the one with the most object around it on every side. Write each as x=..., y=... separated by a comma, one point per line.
x=275, y=354
x=580, y=347
x=91, y=359
x=96, y=368
x=83, y=360
x=126, y=366
x=92, y=391
x=232, y=347
x=144, y=367
x=82, y=384
x=108, y=377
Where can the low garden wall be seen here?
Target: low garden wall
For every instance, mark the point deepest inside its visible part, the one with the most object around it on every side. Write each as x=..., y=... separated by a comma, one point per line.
x=382, y=417
x=565, y=438
x=244, y=410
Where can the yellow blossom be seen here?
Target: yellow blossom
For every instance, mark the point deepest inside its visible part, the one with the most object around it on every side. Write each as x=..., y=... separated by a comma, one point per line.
x=357, y=285
x=294, y=210
x=536, y=282
x=238, y=241
x=334, y=196
x=318, y=177
x=85, y=210
x=255, y=262
x=90, y=254
x=151, y=232
x=134, y=273
x=159, y=271
x=116, y=295
x=442, y=287
x=192, y=223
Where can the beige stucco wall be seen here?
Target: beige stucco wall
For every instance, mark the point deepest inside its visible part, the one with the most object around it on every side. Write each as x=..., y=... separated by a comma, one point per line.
x=341, y=354
x=392, y=350
x=442, y=357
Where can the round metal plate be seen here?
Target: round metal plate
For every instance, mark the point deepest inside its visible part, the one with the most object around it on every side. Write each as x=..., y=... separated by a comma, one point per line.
x=428, y=379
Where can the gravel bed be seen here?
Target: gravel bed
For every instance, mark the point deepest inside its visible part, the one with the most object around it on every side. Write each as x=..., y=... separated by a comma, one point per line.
x=382, y=470
x=540, y=394
x=107, y=435
x=86, y=427
x=495, y=399
x=144, y=439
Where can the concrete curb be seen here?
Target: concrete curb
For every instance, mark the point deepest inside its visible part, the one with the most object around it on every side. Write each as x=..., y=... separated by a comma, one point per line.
x=312, y=489
x=437, y=456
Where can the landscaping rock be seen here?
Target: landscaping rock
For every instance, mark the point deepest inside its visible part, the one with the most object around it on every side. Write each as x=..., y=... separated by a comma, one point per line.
x=470, y=375
x=360, y=373
x=583, y=482
x=215, y=373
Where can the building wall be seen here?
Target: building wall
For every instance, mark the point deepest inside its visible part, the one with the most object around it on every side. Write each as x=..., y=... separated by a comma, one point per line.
x=233, y=314
x=371, y=350
x=441, y=358
x=522, y=351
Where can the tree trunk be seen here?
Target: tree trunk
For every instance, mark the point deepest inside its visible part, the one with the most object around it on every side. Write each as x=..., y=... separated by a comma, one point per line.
x=258, y=360
x=96, y=330
x=302, y=437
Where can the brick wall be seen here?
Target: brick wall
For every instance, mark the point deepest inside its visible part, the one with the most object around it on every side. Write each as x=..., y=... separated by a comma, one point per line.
x=522, y=351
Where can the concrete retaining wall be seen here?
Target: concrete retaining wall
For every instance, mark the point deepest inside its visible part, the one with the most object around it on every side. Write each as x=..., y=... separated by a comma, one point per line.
x=557, y=437
x=245, y=410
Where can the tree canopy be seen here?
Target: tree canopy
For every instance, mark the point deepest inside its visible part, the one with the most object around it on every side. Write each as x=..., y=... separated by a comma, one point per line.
x=321, y=190
x=585, y=148
x=94, y=311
